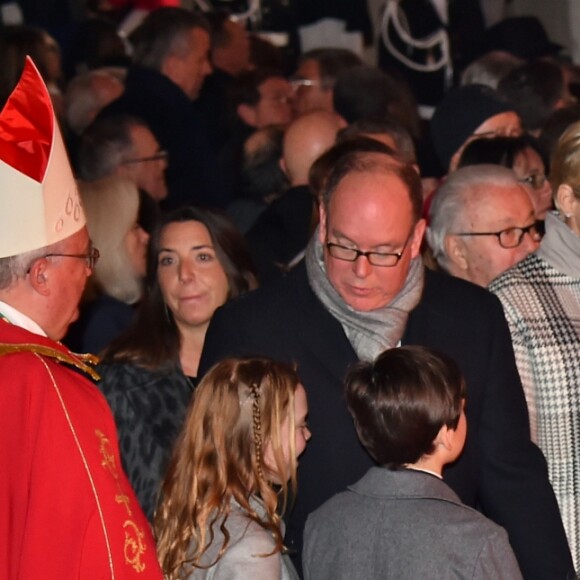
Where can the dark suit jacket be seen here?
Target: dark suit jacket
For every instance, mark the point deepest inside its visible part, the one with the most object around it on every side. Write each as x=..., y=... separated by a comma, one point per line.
x=281, y=232
x=500, y=471
x=403, y=524
x=192, y=173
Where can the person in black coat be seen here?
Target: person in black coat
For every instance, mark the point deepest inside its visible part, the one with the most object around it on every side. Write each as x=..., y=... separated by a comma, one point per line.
x=363, y=289
x=171, y=51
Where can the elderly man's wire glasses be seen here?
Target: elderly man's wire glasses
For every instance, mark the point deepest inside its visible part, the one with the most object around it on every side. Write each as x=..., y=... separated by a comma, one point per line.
x=91, y=257
x=510, y=237
x=535, y=181
x=160, y=155
x=381, y=259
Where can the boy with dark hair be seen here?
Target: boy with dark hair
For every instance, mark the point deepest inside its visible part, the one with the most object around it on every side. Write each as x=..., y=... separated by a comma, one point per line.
x=400, y=520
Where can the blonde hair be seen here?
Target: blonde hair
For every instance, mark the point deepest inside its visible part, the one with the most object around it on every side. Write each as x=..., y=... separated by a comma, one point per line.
x=112, y=206
x=238, y=409
x=565, y=165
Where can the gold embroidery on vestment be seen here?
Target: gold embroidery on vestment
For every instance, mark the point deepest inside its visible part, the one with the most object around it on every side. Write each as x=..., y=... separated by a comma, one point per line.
x=134, y=547
x=79, y=361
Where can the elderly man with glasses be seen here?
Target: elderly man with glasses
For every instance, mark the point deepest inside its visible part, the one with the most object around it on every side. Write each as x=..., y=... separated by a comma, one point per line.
x=362, y=289
x=482, y=222
x=67, y=509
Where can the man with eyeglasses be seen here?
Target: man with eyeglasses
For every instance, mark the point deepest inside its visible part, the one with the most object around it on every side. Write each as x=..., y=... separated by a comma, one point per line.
x=482, y=222
x=314, y=79
x=363, y=289
x=67, y=510
x=123, y=146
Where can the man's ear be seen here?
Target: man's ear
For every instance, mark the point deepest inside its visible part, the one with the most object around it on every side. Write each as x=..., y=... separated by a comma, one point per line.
x=39, y=276
x=282, y=166
x=322, y=224
x=418, y=233
x=169, y=66
x=455, y=252
x=247, y=114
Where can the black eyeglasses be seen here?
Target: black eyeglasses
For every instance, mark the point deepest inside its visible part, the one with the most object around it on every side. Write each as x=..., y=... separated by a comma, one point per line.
x=91, y=257
x=160, y=155
x=535, y=181
x=381, y=259
x=510, y=237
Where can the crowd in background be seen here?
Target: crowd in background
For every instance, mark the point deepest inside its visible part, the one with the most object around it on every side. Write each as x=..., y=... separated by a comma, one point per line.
x=206, y=158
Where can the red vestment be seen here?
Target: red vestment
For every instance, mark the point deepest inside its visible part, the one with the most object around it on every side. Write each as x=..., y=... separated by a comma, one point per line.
x=66, y=507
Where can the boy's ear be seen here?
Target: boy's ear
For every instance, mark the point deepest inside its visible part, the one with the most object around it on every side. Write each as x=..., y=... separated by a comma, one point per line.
x=445, y=437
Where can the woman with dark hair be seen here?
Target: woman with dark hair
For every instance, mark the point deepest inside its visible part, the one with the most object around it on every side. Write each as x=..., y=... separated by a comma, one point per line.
x=197, y=261
x=522, y=154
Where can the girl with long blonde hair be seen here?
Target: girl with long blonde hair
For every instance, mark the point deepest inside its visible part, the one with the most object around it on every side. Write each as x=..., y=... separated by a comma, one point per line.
x=231, y=472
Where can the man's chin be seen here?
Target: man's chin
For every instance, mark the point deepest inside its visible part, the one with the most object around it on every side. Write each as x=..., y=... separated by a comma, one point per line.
x=361, y=302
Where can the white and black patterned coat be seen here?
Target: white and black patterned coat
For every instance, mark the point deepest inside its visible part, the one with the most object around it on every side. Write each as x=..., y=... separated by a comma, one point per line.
x=542, y=307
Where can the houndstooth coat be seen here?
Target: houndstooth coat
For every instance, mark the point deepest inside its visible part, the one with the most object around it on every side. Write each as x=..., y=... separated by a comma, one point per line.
x=542, y=307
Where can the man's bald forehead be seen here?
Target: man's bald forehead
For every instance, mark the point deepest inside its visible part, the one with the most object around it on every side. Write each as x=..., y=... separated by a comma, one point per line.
x=376, y=162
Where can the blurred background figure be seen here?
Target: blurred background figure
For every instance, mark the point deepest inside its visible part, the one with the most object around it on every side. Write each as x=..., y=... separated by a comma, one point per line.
x=123, y=146
x=87, y=94
x=522, y=154
x=96, y=44
x=281, y=233
x=467, y=113
x=541, y=299
x=16, y=42
x=230, y=58
x=389, y=131
x=261, y=177
x=536, y=89
x=316, y=76
x=490, y=69
x=197, y=261
x=554, y=126
x=258, y=99
x=112, y=207
x=365, y=93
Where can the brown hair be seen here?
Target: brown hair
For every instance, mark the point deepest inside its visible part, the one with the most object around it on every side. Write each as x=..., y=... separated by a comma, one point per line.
x=400, y=401
x=238, y=408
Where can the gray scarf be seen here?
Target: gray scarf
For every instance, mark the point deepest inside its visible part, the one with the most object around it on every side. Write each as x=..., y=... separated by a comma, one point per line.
x=560, y=246
x=369, y=333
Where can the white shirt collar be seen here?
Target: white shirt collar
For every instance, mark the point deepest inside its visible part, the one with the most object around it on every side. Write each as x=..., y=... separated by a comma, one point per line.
x=18, y=319
x=437, y=475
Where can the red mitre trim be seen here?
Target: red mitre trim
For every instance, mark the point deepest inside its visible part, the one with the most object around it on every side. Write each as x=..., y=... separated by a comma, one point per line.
x=27, y=125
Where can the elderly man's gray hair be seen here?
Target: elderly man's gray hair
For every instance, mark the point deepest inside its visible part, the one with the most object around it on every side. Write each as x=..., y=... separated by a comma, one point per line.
x=16, y=267
x=448, y=213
